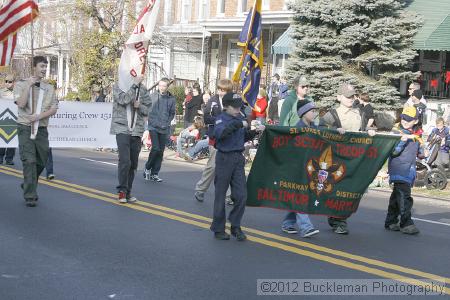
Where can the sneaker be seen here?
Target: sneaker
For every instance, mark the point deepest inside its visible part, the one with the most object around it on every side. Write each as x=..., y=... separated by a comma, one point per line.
x=311, y=232
x=188, y=157
x=131, y=199
x=199, y=196
x=122, y=197
x=9, y=163
x=147, y=174
x=50, y=176
x=289, y=229
x=229, y=201
x=30, y=202
x=222, y=236
x=393, y=227
x=341, y=229
x=410, y=229
x=237, y=232
x=155, y=178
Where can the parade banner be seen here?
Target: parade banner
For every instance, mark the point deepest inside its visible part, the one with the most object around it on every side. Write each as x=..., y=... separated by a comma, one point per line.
x=315, y=171
x=75, y=125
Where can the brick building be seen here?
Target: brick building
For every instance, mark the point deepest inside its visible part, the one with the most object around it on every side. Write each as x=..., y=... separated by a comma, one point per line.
x=202, y=37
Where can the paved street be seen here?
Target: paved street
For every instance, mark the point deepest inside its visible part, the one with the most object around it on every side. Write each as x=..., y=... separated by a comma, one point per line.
x=79, y=243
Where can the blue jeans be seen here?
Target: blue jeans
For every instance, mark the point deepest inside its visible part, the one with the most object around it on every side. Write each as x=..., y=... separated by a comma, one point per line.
x=302, y=220
x=202, y=144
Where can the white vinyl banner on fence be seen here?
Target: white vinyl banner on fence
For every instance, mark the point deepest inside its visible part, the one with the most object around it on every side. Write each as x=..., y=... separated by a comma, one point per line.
x=75, y=125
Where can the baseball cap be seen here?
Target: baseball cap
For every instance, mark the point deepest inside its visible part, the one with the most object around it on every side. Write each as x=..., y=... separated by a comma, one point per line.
x=346, y=90
x=409, y=114
x=232, y=99
x=304, y=106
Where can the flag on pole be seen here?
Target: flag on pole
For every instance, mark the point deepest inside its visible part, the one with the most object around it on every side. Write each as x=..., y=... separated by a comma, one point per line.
x=14, y=14
x=7, y=49
x=248, y=72
x=134, y=55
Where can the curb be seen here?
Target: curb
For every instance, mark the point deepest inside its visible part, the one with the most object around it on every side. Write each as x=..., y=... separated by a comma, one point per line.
x=413, y=195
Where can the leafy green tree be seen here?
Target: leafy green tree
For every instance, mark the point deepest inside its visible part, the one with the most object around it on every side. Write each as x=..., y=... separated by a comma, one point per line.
x=363, y=42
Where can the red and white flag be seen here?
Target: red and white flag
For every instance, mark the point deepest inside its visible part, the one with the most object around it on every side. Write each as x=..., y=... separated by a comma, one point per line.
x=7, y=49
x=14, y=14
x=133, y=59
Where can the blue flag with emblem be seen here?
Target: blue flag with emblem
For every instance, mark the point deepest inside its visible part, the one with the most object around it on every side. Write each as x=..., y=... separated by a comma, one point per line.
x=248, y=72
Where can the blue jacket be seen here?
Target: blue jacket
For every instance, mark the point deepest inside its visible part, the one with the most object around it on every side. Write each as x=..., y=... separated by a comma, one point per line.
x=230, y=134
x=402, y=162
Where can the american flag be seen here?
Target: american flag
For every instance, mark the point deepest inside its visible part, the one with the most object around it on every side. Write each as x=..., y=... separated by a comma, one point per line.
x=14, y=14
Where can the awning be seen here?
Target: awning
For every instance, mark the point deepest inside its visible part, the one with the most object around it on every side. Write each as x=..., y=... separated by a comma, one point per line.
x=283, y=45
x=435, y=32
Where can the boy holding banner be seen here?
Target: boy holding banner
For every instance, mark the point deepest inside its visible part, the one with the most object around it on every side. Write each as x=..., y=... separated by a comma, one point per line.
x=402, y=173
x=128, y=131
x=36, y=103
x=307, y=112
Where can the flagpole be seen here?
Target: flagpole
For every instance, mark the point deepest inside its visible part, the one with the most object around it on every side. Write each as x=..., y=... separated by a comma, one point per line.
x=133, y=116
x=31, y=69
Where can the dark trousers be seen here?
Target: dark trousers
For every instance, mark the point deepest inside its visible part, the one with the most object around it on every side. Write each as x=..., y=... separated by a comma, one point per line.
x=33, y=154
x=229, y=172
x=335, y=222
x=155, y=157
x=7, y=153
x=49, y=165
x=401, y=204
x=129, y=149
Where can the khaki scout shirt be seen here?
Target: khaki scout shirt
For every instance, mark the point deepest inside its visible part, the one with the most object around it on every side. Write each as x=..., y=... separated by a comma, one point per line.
x=349, y=117
x=6, y=94
x=48, y=102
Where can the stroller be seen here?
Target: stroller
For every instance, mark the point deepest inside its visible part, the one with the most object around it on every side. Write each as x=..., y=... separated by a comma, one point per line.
x=428, y=174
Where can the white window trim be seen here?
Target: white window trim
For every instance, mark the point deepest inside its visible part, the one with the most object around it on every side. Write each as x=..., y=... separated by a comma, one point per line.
x=219, y=13
x=203, y=15
x=184, y=19
x=230, y=42
x=240, y=11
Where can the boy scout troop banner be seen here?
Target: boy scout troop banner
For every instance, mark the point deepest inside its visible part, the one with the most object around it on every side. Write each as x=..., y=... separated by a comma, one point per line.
x=315, y=171
x=75, y=125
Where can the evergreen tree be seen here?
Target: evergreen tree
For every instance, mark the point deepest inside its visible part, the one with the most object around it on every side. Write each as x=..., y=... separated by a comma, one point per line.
x=363, y=42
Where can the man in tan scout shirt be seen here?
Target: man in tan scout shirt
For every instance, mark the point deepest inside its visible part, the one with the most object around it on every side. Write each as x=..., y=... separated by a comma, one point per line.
x=33, y=146
x=7, y=94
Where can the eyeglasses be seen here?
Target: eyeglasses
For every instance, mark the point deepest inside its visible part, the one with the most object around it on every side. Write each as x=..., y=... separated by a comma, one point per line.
x=9, y=81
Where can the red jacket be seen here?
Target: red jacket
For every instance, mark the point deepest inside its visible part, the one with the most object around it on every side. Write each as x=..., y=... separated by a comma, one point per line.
x=260, y=108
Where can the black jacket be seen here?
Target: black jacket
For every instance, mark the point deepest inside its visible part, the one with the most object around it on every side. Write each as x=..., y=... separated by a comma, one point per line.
x=192, y=107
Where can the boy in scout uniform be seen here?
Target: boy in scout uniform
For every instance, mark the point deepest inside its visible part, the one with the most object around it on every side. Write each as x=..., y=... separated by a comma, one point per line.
x=33, y=146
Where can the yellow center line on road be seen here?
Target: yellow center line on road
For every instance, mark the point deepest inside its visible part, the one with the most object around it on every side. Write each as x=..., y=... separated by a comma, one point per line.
x=110, y=198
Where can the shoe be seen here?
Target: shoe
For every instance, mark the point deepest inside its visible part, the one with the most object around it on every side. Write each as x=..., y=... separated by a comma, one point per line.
x=222, y=236
x=410, y=229
x=50, y=177
x=30, y=202
x=289, y=229
x=311, y=232
x=199, y=196
x=122, y=197
x=393, y=227
x=155, y=178
x=9, y=163
x=229, y=201
x=237, y=232
x=341, y=229
x=146, y=174
x=131, y=199
x=187, y=157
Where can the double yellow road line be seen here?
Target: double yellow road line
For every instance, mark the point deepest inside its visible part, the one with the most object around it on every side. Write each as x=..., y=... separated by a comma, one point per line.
x=323, y=254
